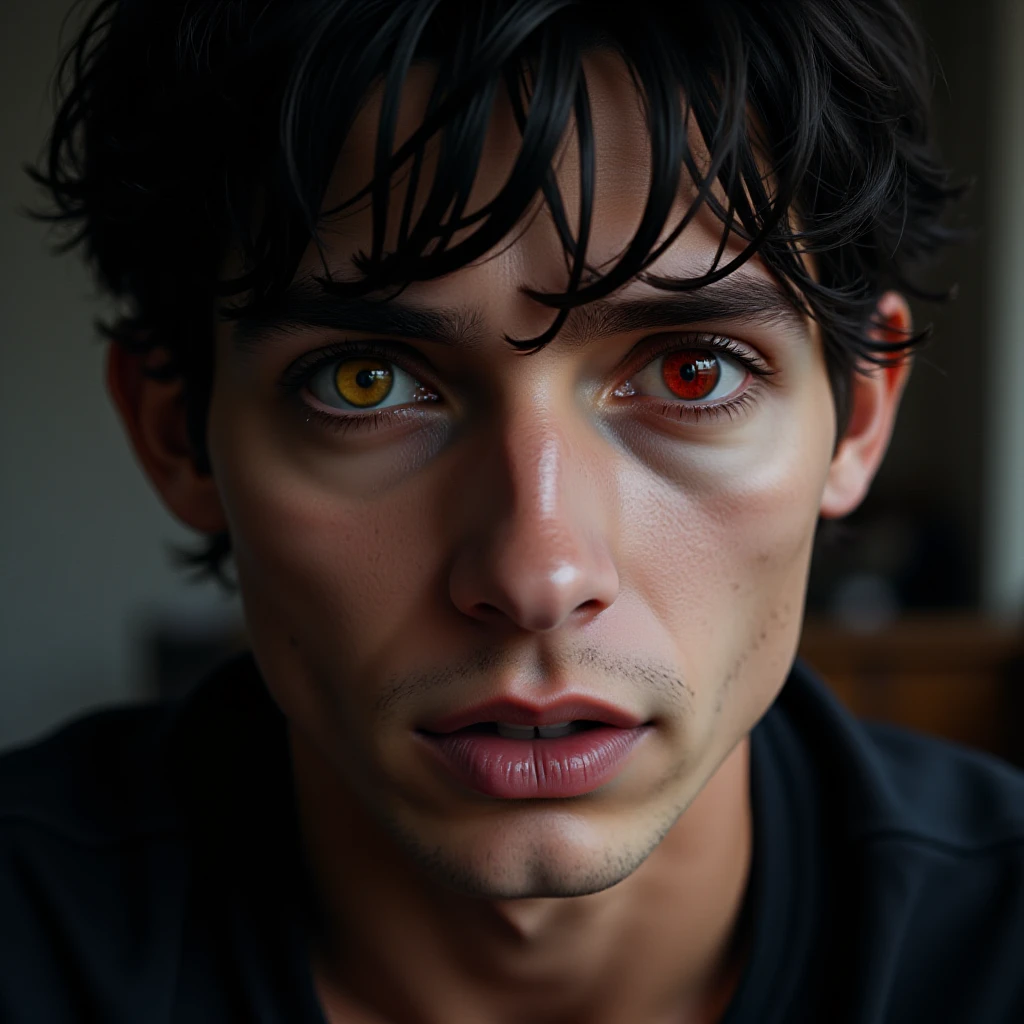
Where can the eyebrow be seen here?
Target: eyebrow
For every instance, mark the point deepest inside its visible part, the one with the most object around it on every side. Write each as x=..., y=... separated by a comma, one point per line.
x=745, y=299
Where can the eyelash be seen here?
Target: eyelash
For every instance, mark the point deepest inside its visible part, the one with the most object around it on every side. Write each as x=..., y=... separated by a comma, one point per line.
x=296, y=376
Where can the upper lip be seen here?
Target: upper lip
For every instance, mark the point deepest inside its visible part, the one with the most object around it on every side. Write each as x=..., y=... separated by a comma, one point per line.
x=522, y=712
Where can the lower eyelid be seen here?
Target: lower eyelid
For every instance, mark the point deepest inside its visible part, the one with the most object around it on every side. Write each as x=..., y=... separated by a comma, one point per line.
x=343, y=423
x=723, y=407
x=310, y=401
x=695, y=412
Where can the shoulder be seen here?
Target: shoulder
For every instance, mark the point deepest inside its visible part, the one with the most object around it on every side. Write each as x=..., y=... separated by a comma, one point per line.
x=943, y=860
x=943, y=794
x=130, y=772
x=926, y=851
x=895, y=782
x=92, y=875
x=105, y=827
x=98, y=779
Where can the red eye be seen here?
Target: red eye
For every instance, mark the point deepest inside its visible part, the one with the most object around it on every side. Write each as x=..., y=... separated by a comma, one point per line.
x=692, y=373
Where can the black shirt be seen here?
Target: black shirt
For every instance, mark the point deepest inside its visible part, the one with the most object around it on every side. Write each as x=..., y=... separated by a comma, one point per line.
x=150, y=870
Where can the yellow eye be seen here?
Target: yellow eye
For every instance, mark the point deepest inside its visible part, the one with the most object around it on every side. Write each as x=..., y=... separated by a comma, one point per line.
x=364, y=382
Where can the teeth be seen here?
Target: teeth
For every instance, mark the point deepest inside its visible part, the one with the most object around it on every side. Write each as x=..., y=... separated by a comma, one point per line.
x=552, y=732
x=528, y=732
x=515, y=732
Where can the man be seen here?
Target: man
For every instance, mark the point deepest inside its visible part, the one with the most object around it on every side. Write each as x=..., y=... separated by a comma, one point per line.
x=513, y=351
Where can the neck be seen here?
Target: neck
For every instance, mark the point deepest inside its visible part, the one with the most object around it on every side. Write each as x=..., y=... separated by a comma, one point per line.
x=661, y=945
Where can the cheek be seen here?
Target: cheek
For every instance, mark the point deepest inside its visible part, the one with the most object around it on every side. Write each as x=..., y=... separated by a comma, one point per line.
x=333, y=583
x=723, y=556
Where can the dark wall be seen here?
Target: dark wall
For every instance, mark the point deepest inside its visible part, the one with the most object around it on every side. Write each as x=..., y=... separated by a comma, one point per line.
x=923, y=521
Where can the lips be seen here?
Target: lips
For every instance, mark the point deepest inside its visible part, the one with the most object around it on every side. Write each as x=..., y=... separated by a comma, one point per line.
x=523, y=713
x=488, y=748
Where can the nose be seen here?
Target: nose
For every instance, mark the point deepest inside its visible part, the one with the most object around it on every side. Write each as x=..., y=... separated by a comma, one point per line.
x=534, y=553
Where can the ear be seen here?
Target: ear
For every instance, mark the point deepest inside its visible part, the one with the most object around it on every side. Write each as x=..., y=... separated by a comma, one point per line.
x=153, y=413
x=874, y=399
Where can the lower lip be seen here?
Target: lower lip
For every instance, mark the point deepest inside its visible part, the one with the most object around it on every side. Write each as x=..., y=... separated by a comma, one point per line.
x=536, y=769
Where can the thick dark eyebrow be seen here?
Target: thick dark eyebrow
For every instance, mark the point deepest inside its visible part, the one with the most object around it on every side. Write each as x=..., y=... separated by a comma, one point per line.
x=304, y=305
x=741, y=299
x=738, y=300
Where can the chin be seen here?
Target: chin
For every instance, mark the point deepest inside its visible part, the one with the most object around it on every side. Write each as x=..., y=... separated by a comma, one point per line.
x=533, y=856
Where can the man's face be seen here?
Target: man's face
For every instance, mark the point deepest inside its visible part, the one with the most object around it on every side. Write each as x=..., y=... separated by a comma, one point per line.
x=626, y=515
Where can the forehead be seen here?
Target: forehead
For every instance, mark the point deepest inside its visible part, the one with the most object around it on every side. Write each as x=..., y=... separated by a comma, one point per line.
x=532, y=254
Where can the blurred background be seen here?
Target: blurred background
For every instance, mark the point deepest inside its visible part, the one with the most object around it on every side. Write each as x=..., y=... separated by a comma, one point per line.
x=916, y=604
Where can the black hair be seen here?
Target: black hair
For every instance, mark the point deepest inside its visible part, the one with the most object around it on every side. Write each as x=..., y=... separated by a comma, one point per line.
x=186, y=127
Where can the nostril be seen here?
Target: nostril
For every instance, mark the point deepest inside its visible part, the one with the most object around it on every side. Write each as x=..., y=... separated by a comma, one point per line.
x=488, y=612
x=589, y=609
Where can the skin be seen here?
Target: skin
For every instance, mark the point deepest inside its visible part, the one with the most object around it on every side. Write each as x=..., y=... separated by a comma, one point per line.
x=533, y=529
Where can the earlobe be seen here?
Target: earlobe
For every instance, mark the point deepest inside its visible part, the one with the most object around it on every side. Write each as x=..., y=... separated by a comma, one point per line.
x=874, y=400
x=153, y=414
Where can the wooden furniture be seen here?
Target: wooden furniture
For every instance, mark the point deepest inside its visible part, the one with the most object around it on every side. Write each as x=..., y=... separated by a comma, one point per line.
x=958, y=677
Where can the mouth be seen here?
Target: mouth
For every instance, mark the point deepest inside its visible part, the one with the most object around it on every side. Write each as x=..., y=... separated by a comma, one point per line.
x=509, y=750
x=576, y=713
x=512, y=731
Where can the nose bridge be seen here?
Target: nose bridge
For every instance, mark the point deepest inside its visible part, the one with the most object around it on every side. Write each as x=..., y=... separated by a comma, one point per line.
x=538, y=551
x=551, y=518
x=536, y=473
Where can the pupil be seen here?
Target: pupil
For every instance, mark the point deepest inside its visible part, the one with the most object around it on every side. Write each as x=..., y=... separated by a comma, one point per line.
x=688, y=371
x=364, y=378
